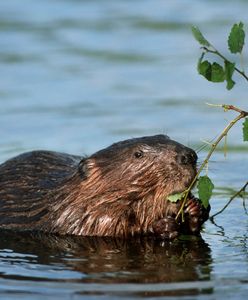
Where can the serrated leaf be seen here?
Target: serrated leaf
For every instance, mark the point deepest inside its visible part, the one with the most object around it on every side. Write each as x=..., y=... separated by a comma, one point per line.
x=217, y=73
x=205, y=188
x=199, y=36
x=229, y=69
x=236, y=38
x=175, y=197
x=245, y=130
x=212, y=72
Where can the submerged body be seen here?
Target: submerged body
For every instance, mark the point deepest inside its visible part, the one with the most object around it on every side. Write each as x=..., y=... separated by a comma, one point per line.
x=118, y=191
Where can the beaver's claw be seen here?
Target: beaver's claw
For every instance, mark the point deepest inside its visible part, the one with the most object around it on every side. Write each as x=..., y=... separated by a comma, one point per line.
x=192, y=207
x=196, y=214
x=166, y=228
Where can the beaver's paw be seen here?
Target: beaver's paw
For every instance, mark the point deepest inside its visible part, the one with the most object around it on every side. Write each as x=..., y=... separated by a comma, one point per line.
x=193, y=207
x=166, y=228
x=196, y=214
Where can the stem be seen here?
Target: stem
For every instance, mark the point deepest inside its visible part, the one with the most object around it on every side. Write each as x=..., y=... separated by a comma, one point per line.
x=216, y=52
x=230, y=200
x=225, y=147
x=214, y=145
x=232, y=107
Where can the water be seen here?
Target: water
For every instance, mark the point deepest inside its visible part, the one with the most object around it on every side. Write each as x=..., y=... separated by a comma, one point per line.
x=79, y=75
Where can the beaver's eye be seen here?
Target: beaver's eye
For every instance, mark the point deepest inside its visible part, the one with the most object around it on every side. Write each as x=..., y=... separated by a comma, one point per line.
x=138, y=154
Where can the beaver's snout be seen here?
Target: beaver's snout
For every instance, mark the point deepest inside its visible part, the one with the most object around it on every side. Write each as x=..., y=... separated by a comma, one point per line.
x=187, y=157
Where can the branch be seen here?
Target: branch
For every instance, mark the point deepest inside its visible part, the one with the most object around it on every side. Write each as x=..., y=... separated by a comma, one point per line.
x=242, y=114
x=216, y=52
x=230, y=200
x=232, y=107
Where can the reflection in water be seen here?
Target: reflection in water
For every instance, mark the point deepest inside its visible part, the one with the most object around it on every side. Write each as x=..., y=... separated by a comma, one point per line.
x=80, y=75
x=110, y=261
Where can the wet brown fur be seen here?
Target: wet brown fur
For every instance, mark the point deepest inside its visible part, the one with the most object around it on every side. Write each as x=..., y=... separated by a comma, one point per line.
x=118, y=191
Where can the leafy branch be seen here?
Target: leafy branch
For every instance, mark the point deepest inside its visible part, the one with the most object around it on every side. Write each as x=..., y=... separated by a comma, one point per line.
x=206, y=191
x=216, y=52
x=215, y=72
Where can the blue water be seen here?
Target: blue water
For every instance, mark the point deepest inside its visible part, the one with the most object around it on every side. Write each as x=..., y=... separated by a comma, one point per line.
x=79, y=75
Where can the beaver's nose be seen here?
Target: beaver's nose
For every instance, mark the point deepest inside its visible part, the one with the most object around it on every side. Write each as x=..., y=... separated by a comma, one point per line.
x=187, y=157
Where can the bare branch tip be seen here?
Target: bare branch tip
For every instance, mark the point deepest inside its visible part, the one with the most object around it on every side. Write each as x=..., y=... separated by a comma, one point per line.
x=213, y=104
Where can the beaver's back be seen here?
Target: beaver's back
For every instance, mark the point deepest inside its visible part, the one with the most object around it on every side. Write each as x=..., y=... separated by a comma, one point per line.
x=25, y=184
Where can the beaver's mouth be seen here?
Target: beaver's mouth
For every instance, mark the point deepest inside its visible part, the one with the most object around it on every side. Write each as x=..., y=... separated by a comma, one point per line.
x=185, y=184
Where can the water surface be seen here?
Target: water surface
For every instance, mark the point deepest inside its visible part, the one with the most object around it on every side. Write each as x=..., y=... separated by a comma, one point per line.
x=79, y=75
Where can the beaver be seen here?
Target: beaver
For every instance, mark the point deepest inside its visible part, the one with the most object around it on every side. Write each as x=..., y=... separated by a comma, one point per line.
x=119, y=191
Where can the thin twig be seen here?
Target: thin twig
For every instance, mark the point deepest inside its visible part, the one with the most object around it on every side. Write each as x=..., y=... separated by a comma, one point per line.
x=244, y=206
x=229, y=107
x=230, y=200
x=232, y=107
x=242, y=114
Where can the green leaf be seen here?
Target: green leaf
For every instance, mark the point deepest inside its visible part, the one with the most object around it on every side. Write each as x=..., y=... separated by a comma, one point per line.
x=205, y=69
x=212, y=72
x=229, y=69
x=236, y=38
x=245, y=130
x=175, y=197
x=199, y=37
x=205, y=188
x=217, y=73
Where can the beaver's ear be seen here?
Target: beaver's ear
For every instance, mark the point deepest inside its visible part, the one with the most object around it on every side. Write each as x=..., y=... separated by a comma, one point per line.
x=83, y=168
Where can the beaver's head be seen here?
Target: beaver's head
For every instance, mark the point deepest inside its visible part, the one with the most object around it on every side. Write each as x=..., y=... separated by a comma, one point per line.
x=146, y=165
